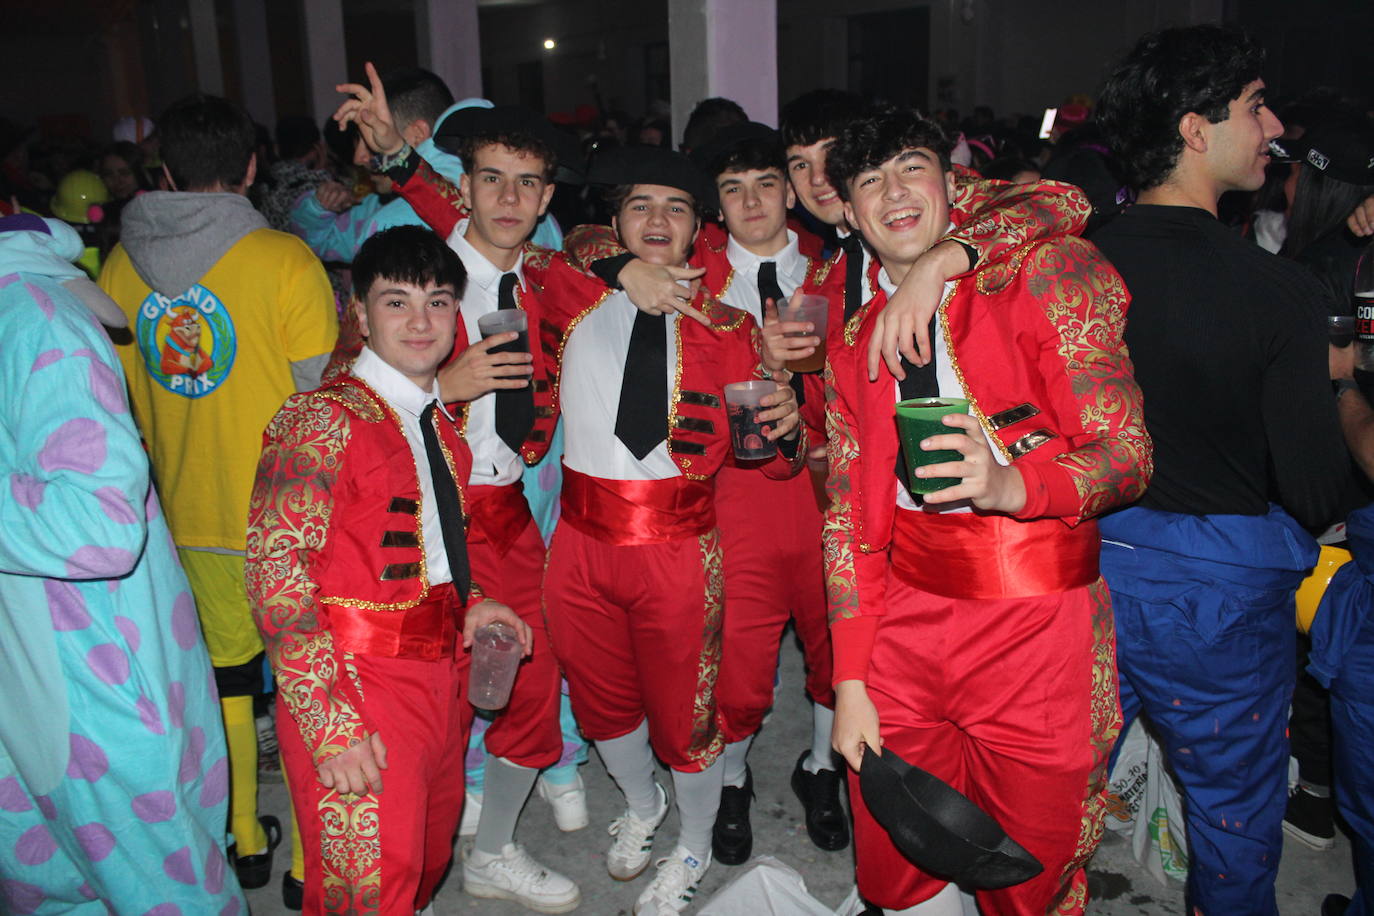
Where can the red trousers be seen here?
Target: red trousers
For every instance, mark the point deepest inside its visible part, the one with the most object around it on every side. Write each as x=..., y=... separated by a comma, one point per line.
x=526, y=732
x=771, y=534
x=1014, y=703
x=384, y=853
x=636, y=629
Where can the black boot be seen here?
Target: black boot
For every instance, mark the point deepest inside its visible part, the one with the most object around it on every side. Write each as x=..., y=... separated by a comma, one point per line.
x=292, y=892
x=826, y=822
x=256, y=870
x=732, y=839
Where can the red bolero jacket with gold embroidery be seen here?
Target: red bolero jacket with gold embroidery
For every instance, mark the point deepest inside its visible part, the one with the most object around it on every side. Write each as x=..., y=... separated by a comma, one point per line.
x=334, y=537
x=708, y=359
x=1037, y=341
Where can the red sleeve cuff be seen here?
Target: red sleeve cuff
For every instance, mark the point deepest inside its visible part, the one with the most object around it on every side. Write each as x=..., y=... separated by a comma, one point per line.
x=1050, y=492
x=852, y=642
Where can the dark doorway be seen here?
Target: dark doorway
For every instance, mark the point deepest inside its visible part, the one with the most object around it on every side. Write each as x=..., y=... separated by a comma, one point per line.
x=889, y=56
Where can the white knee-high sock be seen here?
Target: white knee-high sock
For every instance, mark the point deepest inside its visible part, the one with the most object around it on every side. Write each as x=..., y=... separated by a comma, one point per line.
x=630, y=761
x=506, y=786
x=822, y=724
x=736, y=759
x=949, y=902
x=698, y=800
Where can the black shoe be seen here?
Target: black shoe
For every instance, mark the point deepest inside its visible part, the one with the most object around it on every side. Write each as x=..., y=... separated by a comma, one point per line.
x=826, y=822
x=292, y=892
x=1335, y=905
x=1310, y=819
x=256, y=870
x=732, y=839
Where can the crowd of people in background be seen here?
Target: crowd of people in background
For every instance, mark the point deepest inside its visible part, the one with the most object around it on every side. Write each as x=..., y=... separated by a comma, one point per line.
x=1154, y=405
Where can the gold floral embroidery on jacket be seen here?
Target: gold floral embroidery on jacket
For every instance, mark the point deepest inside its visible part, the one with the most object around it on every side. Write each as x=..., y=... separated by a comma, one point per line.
x=288, y=520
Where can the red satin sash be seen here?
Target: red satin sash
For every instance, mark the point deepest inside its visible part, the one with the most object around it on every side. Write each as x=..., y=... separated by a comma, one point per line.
x=633, y=512
x=966, y=555
x=499, y=515
x=428, y=631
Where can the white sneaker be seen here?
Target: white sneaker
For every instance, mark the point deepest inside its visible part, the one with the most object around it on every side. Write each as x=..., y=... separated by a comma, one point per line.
x=634, y=841
x=675, y=884
x=515, y=875
x=569, y=803
x=472, y=812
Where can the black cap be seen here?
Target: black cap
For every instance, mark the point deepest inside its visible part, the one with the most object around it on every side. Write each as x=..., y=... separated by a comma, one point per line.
x=504, y=120
x=652, y=165
x=939, y=829
x=1345, y=153
x=712, y=153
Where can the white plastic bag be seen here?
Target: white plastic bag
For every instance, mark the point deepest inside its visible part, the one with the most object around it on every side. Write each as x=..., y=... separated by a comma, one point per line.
x=765, y=887
x=1145, y=804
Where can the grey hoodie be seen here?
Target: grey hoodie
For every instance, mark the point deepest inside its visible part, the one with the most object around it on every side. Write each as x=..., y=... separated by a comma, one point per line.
x=174, y=237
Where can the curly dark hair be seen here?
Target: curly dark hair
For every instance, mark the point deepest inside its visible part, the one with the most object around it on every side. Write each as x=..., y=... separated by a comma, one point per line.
x=1168, y=74
x=818, y=115
x=877, y=136
x=521, y=143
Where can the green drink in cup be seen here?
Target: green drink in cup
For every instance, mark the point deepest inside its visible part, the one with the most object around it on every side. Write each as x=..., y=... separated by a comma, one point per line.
x=919, y=419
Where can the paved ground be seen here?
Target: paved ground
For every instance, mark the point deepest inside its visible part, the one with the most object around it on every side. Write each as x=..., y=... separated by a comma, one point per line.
x=1119, y=886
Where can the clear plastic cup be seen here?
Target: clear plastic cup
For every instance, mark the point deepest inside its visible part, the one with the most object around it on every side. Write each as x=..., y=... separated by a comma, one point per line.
x=747, y=434
x=503, y=321
x=815, y=309
x=496, y=655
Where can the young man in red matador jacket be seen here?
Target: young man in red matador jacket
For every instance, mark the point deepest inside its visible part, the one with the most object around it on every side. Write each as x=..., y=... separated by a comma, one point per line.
x=359, y=577
x=633, y=588
x=973, y=636
x=759, y=257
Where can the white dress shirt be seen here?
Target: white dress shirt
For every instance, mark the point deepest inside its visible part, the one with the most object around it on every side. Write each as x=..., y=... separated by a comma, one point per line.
x=493, y=463
x=743, y=291
x=409, y=400
x=593, y=371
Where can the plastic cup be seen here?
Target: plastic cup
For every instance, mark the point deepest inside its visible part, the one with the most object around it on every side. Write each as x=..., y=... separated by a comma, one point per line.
x=503, y=321
x=746, y=432
x=815, y=309
x=495, y=657
x=919, y=419
x=1341, y=328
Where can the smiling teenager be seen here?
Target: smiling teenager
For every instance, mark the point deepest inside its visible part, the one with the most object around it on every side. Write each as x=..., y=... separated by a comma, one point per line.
x=361, y=585
x=633, y=585
x=972, y=633
x=507, y=410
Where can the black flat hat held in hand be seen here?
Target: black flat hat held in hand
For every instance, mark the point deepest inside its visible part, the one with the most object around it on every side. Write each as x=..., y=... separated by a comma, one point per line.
x=939, y=829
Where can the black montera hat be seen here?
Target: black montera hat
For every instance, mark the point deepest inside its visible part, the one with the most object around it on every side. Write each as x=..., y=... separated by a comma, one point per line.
x=1339, y=152
x=652, y=165
x=711, y=153
x=505, y=120
x=939, y=829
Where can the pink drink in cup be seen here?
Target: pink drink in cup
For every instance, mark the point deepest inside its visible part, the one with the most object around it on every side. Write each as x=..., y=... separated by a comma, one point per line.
x=496, y=655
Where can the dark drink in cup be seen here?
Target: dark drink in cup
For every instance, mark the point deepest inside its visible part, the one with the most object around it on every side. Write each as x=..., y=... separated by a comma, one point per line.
x=748, y=435
x=919, y=419
x=504, y=321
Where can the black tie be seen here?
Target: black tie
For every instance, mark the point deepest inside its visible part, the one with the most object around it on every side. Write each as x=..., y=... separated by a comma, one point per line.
x=641, y=419
x=920, y=382
x=769, y=289
x=853, y=274
x=446, y=501
x=768, y=285
x=514, y=406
